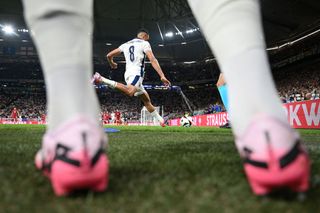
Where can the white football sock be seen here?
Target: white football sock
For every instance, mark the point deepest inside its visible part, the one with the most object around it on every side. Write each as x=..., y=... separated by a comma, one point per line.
x=156, y=115
x=234, y=32
x=110, y=83
x=62, y=33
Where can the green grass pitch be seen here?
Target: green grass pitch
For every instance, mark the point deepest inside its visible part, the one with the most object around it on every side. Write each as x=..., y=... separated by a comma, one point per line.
x=152, y=169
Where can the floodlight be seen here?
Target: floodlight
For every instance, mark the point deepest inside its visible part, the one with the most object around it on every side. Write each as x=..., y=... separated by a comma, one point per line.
x=8, y=29
x=169, y=34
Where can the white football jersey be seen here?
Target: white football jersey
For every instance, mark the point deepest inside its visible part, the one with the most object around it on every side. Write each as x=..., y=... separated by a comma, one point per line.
x=134, y=53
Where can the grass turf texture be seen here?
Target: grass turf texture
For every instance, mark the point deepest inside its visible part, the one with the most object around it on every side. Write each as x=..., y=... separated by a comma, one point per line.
x=153, y=169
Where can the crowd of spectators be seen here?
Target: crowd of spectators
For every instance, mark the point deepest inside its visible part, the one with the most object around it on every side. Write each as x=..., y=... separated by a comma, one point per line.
x=30, y=101
x=298, y=85
x=28, y=106
x=172, y=103
x=113, y=101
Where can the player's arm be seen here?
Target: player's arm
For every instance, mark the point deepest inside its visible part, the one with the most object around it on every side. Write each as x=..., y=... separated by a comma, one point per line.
x=110, y=56
x=155, y=64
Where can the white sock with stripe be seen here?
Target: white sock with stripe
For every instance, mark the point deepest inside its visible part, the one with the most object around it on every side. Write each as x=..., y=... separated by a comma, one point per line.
x=110, y=83
x=62, y=33
x=156, y=115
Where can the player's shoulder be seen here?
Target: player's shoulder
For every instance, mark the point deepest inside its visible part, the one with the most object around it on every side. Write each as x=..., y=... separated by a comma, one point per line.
x=146, y=42
x=139, y=41
x=133, y=41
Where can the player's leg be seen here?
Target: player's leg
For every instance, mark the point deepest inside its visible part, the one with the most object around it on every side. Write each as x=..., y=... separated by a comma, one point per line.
x=133, y=88
x=128, y=89
x=271, y=150
x=241, y=57
x=145, y=98
x=223, y=91
x=71, y=151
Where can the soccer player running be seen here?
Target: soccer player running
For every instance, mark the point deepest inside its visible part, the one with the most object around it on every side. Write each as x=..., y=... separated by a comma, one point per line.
x=272, y=153
x=135, y=52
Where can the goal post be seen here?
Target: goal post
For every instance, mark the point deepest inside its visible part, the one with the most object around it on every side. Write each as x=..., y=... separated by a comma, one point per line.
x=146, y=117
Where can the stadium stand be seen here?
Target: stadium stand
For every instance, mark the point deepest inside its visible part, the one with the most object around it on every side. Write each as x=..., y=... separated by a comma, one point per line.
x=22, y=87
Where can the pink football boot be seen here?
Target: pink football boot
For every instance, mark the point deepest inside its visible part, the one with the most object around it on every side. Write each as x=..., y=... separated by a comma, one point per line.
x=273, y=157
x=163, y=124
x=96, y=78
x=73, y=157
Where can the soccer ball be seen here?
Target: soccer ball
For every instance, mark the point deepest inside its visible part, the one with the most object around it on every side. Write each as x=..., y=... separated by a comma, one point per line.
x=186, y=121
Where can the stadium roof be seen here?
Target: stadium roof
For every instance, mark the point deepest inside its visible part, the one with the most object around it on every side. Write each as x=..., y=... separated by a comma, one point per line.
x=173, y=29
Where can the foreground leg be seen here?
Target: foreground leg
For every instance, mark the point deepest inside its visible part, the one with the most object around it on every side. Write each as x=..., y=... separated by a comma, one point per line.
x=71, y=153
x=271, y=150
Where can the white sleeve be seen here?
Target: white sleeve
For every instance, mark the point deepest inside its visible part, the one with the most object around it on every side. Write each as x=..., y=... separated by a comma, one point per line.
x=146, y=47
x=121, y=47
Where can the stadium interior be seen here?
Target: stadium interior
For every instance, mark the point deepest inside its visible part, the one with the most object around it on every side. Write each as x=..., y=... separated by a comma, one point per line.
x=292, y=31
x=189, y=163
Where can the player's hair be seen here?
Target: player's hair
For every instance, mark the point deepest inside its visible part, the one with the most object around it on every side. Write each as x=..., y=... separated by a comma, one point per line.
x=143, y=30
